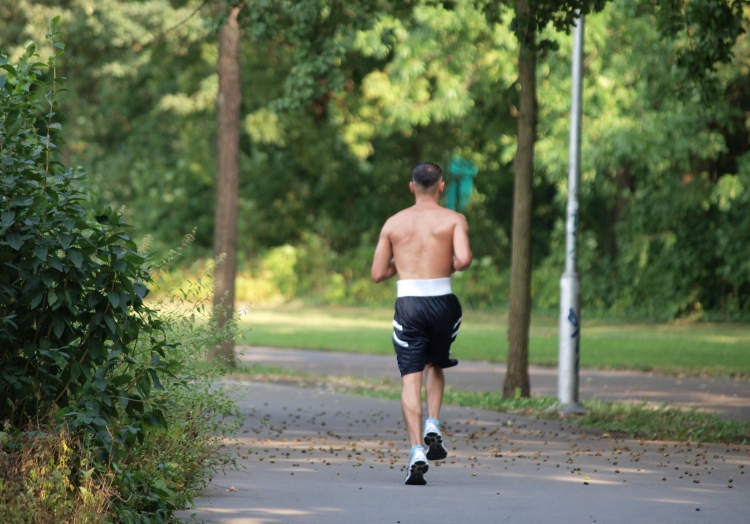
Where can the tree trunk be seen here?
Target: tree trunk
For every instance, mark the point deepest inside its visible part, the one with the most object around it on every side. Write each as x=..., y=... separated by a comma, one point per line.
x=625, y=184
x=519, y=316
x=227, y=178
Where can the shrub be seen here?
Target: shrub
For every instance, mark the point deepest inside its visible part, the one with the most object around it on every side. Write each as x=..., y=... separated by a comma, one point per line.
x=71, y=286
x=47, y=479
x=139, y=419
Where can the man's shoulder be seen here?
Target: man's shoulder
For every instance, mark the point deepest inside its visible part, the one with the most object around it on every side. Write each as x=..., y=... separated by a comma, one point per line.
x=451, y=216
x=404, y=214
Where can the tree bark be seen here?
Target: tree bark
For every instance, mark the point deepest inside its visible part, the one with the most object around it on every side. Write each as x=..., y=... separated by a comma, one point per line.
x=519, y=316
x=625, y=185
x=227, y=178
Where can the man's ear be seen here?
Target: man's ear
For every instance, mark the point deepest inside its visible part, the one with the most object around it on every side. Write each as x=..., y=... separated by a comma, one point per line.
x=412, y=188
x=442, y=187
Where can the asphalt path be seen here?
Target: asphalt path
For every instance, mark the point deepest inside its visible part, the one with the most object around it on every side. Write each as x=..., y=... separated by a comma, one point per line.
x=728, y=397
x=310, y=456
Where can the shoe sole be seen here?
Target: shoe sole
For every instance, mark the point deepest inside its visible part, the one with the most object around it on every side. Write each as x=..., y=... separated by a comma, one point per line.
x=435, y=448
x=416, y=474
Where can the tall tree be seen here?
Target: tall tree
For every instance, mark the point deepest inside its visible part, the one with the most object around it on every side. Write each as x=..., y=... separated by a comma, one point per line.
x=227, y=177
x=714, y=26
x=519, y=315
x=531, y=17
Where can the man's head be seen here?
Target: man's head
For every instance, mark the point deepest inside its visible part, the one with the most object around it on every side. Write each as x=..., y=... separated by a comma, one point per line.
x=427, y=178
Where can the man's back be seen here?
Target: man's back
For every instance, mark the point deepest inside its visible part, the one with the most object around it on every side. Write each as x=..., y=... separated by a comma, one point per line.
x=424, y=238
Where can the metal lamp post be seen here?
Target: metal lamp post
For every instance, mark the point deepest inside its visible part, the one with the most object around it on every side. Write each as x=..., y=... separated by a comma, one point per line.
x=570, y=282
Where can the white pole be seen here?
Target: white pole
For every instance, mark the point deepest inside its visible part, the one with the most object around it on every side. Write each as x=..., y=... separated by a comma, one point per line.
x=570, y=283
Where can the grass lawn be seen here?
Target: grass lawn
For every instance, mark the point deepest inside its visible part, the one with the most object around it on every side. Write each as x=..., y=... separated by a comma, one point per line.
x=698, y=348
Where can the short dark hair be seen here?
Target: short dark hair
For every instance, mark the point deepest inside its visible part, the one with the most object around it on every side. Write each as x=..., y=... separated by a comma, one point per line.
x=427, y=174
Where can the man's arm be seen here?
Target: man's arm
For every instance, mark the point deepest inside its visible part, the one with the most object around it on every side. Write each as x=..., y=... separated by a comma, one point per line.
x=383, y=264
x=462, y=256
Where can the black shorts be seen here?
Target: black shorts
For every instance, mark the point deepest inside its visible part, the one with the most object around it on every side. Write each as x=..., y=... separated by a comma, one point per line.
x=423, y=330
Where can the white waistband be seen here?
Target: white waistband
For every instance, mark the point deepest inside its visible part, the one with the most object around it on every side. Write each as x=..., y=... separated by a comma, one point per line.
x=433, y=287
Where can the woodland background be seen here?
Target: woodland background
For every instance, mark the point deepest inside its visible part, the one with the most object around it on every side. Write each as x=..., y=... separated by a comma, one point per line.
x=665, y=206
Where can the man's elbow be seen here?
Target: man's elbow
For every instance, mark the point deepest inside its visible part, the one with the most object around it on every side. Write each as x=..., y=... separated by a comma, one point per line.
x=377, y=276
x=462, y=263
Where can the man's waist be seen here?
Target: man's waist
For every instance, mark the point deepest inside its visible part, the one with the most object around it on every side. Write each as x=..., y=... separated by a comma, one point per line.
x=432, y=287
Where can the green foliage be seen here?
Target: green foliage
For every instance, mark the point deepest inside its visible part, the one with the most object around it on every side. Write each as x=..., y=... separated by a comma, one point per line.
x=163, y=473
x=46, y=478
x=82, y=354
x=72, y=286
x=706, y=31
x=334, y=125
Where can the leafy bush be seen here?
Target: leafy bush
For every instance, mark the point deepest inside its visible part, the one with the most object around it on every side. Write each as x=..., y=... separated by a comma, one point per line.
x=139, y=418
x=71, y=286
x=47, y=479
x=162, y=473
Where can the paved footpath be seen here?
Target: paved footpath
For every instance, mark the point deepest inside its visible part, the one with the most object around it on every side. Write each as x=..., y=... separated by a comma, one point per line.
x=731, y=398
x=310, y=456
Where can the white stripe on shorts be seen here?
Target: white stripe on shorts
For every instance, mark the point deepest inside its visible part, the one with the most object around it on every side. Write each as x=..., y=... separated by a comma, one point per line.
x=397, y=325
x=399, y=341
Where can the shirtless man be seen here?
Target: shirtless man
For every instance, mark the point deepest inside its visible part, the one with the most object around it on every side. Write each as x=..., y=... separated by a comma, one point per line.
x=424, y=244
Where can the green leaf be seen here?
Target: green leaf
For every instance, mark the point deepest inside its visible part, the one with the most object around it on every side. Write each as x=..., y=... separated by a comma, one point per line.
x=8, y=160
x=111, y=324
x=37, y=299
x=7, y=218
x=48, y=279
x=41, y=252
x=114, y=298
x=55, y=263
x=155, y=378
x=121, y=380
x=51, y=297
x=140, y=289
x=145, y=385
x=58, y=325
x=65, y=240
x=76, y=257
x=14, y=239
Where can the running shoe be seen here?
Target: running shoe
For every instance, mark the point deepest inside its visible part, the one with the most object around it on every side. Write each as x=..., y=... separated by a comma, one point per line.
x=417, y=468
x=434, y=439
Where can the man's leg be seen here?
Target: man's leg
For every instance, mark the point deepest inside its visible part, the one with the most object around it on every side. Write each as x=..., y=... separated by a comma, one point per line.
x=435, y=384
x=411, y=403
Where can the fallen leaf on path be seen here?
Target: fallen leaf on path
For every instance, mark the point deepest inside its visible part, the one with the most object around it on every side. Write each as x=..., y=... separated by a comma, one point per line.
x=232, y=489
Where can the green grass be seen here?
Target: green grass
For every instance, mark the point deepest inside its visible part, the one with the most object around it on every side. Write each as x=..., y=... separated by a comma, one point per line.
x=696, y=348
x=634, y=420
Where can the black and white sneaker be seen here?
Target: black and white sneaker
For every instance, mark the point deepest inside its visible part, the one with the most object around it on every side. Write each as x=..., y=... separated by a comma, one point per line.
x=418, y=466
x=434, y=440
